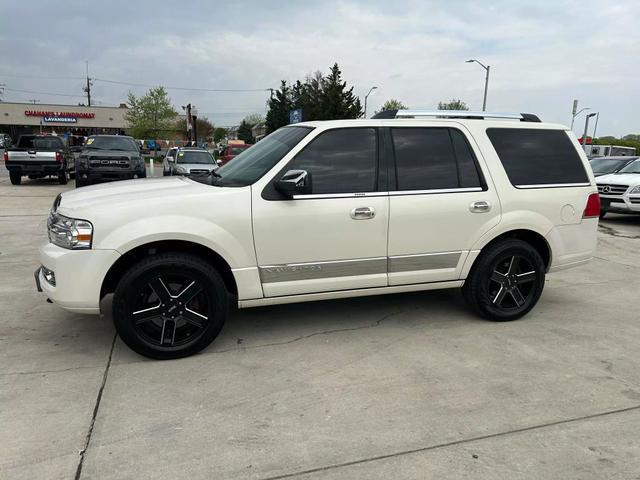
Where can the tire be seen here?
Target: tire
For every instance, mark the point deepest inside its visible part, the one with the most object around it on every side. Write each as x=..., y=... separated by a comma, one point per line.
x=80, y=182
x=15, y=177
x=506, y=281
x=63, y=177
x=149, y=316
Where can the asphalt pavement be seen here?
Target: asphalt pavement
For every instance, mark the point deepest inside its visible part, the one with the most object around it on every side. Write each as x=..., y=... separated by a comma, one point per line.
x=399, y=386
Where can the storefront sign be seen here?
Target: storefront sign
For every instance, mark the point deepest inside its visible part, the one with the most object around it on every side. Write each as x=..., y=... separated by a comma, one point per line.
x=59, y=119
x=46, y=115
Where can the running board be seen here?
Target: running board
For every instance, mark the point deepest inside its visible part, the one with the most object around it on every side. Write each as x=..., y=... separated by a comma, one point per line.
x=362, y=292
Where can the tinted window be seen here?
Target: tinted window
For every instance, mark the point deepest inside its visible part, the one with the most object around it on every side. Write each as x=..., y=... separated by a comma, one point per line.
x=607, y=165
x=40, y=143
x=433, y=158
x=188, y=156
x=254, y=162
x=537, y=157
x=112, y=142
x=633, y=167
x=340, y=161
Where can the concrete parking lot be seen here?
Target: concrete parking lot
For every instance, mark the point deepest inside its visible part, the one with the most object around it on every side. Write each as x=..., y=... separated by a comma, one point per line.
x=399, y=386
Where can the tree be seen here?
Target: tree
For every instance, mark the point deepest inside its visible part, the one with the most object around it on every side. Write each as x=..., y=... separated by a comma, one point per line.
x=151, y=115
x=219, y=133
x=279, y=107
x=254, y=119
x=337, y=102
x=204, y=127
x=454, y=104
x=244, y=132
x=320, y=98
x=392, y=104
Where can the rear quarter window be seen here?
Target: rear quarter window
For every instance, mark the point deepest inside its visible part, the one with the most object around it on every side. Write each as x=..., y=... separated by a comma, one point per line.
x=533, y=157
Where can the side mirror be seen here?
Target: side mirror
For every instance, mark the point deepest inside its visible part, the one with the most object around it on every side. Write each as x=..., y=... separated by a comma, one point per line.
x=170, y=159
x=294, y=182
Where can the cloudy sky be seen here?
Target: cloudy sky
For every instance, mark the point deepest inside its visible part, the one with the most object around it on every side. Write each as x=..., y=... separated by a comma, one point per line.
x=543, y=54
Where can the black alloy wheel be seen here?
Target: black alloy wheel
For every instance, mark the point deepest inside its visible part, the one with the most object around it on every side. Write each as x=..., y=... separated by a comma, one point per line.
x=170, y=306
x=506, y=281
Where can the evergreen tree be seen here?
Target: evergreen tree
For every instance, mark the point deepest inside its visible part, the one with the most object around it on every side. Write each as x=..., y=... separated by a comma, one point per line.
x=337, y=101
x=244, y=132
x=279, y=107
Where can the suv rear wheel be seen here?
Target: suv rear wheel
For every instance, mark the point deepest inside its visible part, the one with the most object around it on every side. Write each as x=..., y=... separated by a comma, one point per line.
x=170, y=305
x=15, y=177
x=506, y=281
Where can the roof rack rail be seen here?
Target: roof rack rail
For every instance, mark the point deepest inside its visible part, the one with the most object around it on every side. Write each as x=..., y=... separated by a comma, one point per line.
x=465, y=114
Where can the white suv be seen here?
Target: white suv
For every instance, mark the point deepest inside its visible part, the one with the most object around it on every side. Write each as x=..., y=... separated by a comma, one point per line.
x=324, y=210
x=620, y=191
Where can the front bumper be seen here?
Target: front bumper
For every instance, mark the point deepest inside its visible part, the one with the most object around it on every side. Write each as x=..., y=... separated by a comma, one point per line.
x=92, y=176
x=78, y=276
x=620, y=203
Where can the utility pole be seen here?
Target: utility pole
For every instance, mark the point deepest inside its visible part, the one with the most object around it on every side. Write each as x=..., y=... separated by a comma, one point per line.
x=2, y=85
x=87, y=89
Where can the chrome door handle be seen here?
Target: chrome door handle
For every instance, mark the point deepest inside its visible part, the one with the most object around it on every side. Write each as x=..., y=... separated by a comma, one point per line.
x=363, y=213
x=480, y=207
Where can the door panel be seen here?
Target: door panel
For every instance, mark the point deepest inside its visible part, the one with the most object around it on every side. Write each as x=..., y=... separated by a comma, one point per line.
x=315, y=245
x=441, y=206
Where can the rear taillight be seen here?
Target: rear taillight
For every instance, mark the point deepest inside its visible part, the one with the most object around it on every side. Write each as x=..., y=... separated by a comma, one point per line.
x=5, y=157
x=593, y=206
x=58, y=157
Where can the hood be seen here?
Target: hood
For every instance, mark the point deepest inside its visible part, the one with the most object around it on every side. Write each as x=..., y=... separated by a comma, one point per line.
x=141, y=192
x=629, y=179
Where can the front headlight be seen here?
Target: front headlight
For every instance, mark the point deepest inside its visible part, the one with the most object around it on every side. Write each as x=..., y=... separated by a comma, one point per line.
x=70, y=233
x=83, y=161
x=635, y=189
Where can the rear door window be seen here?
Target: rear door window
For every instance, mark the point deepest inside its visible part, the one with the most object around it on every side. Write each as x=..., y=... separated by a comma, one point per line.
x=433, y=159
x=534, y=157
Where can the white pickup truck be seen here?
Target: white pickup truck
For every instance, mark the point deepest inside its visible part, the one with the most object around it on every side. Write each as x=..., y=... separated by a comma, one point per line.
x=38, y=156
x=323, y=210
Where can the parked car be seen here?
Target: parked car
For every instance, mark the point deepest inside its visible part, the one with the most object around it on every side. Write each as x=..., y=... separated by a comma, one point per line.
x=327, y=210
x=606, y=165
x=620, y=191
x=5, y=140
x=105, y=158
x=188, y=161
x=38, y=156
x=231, y=151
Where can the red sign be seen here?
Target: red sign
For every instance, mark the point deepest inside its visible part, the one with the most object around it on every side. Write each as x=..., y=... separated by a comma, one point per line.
x=38, y=113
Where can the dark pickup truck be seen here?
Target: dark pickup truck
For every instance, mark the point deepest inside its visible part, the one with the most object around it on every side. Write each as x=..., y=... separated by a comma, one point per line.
x=38, y=156
x=106, y=158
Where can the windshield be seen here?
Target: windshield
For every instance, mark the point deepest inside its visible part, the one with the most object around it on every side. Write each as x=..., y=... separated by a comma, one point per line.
x=40, y=143
x=194, y=157
x=606, y=165
x=254, y=162
x=633, y=167
x=113, y=142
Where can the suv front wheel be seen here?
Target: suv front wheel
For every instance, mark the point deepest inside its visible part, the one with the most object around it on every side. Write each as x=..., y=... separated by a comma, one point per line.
x=170, y=305
x=506, y=281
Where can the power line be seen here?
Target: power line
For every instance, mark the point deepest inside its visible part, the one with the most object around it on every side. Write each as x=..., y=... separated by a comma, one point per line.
x=43, y=93
x=45, y=77
x=191, y=89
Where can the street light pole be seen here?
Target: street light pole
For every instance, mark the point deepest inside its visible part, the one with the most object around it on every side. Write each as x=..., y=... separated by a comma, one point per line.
x=487, y=69
x=365, y=100
x=596, y=126
x=586, y=126
x=576, y=114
